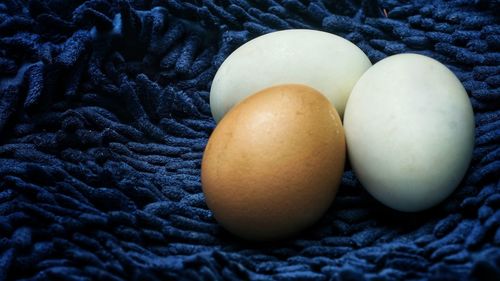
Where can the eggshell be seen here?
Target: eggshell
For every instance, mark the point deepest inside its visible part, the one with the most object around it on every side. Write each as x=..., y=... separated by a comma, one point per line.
x=319, y=59
x=410, y=131
x=274, y=163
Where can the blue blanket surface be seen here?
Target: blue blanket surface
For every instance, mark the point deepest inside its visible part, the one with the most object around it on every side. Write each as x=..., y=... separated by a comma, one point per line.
x=104, y=116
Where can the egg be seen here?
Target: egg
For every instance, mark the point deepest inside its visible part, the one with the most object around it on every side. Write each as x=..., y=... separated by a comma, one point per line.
x=321, y=60
x=409, y=128
x=273, y=164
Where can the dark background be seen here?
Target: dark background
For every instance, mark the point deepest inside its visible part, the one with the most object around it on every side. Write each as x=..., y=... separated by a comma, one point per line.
x=104, y=116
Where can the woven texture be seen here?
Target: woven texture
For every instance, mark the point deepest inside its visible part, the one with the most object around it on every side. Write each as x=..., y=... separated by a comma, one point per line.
x=104, y=116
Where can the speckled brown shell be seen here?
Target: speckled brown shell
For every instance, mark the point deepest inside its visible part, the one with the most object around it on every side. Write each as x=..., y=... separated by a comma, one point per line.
x=273, y=164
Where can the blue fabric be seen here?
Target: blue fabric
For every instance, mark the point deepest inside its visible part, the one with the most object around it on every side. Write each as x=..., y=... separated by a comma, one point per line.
x=104, y=116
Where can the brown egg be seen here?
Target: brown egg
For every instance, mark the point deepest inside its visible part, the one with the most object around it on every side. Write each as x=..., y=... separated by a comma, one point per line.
x=273, y=165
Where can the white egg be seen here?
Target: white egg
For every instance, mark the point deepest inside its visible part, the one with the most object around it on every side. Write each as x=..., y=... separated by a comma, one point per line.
x=321, y=60
x=409, y=128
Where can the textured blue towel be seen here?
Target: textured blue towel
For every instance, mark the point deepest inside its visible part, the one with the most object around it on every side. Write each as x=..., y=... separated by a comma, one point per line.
x=104, y=116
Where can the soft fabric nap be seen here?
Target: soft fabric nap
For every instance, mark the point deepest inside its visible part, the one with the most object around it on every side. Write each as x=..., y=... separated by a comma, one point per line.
x=104, y=116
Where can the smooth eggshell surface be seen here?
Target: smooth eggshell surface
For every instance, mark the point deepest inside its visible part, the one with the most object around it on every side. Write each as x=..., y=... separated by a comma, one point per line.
x=321, y=60
x=273, y=164
x=409, y=128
